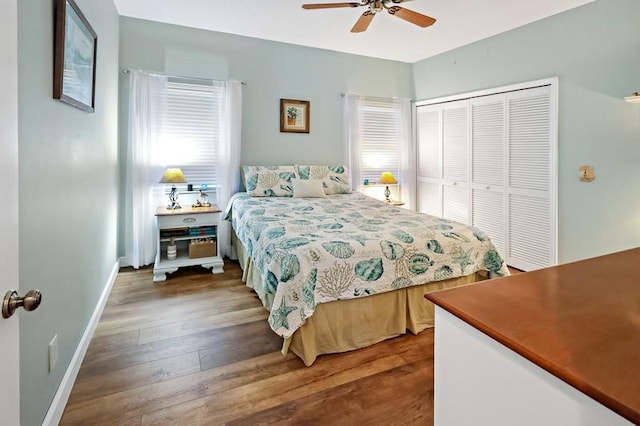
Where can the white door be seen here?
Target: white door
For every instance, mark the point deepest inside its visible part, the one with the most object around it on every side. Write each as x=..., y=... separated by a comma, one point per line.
x=429, y=163
x=443, y=160
x=488, y=152
x=9, y=342
x=455, y=161
x=531, y=179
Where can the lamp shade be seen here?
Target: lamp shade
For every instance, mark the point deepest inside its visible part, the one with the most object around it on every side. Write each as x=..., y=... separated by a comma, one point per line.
x=173, y=175
x=387, y=178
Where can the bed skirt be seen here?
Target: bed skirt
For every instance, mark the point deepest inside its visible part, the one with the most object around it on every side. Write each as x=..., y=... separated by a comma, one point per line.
x=345, y=325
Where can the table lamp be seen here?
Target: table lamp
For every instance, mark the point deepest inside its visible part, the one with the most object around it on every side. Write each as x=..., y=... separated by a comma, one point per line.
x=173, y=176
x=388, y=179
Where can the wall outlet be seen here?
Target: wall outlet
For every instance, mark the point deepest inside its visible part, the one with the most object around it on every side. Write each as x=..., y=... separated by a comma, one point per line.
x=53, y=353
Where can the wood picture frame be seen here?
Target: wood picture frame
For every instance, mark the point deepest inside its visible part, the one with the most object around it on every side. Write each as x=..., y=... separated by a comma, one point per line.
x=294, y=116
x=75, y=51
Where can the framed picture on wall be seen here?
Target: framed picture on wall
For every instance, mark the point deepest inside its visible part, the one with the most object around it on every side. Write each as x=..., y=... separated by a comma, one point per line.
x=294, y=116
x=75, y=49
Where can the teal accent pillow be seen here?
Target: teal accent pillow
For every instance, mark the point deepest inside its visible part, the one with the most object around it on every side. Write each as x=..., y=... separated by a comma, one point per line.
x=269, y=181
x=335, y=179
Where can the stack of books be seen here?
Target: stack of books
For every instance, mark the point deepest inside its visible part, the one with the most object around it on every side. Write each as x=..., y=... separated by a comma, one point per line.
x=203, y=231
x=175, y=232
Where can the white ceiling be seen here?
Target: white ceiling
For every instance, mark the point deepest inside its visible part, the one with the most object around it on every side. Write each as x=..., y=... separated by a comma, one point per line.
x=459, y=22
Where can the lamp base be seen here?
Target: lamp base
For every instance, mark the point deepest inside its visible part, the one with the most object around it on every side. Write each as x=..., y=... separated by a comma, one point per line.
x=173, y=200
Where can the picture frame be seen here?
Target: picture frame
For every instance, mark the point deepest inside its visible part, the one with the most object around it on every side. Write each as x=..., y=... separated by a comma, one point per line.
x=294, y=116
x=75, y=51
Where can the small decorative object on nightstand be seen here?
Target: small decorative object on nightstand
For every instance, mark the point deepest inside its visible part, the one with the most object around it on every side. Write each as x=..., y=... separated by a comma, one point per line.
x=172, y=249
x=202, y=201
x=173, y=176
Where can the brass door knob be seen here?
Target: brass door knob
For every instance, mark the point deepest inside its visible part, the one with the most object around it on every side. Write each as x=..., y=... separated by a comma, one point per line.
x=12, y=301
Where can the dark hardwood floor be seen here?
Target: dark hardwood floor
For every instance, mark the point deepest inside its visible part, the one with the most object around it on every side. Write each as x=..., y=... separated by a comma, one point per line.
x=197, y=349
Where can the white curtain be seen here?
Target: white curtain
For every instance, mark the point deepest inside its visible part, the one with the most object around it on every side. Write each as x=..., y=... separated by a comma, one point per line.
x=147, y=100
x=407, y=167
x=352, y=138
x=229, y=161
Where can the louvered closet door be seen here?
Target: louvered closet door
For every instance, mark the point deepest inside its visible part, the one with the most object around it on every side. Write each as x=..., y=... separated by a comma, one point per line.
x=429, y=164
x=531, y=227
x=455, y=203
x=455, y=161
x=429, y=198
x=488, y=146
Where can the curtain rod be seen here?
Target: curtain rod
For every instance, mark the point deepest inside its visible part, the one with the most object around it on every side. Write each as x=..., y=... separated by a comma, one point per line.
x=343, y=94
x=127, y=71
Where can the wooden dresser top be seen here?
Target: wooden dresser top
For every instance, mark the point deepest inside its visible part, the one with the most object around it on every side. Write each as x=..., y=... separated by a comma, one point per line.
x=579, y=321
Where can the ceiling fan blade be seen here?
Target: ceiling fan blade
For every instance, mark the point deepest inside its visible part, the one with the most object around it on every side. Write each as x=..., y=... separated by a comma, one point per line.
x=329, y=5
x=410, y=16
x=363, y=22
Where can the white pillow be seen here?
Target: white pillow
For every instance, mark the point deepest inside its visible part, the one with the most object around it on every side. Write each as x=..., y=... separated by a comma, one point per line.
x=307, y=188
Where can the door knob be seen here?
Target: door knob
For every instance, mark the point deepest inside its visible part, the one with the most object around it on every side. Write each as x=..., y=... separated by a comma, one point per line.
x=12, y=301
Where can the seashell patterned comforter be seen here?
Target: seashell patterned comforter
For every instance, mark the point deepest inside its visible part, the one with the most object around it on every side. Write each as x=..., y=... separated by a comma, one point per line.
x=317, y=250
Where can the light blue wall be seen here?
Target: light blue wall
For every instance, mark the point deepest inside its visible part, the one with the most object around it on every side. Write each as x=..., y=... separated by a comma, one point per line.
x=272, y=71
x=595, y=52
x=68, y=184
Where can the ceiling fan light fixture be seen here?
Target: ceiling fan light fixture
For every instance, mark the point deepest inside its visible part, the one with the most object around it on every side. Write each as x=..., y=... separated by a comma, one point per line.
x=375, y=6
x=633, y=99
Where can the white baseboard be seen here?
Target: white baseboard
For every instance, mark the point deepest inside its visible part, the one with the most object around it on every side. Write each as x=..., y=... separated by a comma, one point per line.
x=54, y=414
x=123, y=262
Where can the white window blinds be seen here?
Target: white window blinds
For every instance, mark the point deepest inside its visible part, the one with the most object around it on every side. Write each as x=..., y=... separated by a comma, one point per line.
x=381, y=137
x=192, y=125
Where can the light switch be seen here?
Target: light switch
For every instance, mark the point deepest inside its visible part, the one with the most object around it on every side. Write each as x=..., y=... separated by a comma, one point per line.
x=587, y=174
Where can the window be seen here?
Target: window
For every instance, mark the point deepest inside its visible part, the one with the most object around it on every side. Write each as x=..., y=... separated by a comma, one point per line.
x=192, y=125
x=189, y=123
x=380, y=137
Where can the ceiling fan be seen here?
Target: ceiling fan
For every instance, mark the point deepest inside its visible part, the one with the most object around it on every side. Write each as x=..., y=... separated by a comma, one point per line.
x=375, y=6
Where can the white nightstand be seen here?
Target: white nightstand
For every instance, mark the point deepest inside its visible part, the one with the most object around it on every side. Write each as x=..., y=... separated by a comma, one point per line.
x=183, y=225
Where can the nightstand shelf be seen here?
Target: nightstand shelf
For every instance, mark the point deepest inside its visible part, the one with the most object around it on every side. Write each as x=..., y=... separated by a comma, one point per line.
x=185, y=238
x=185, y=218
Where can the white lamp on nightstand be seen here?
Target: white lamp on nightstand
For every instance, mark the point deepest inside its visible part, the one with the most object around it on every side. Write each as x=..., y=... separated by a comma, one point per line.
x=173, y=175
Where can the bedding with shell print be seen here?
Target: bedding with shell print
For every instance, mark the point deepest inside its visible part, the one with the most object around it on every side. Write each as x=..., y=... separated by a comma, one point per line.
x=317, y=250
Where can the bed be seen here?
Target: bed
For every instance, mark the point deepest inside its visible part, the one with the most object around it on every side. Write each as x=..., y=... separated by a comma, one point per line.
x=347, y=271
